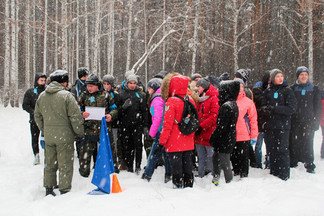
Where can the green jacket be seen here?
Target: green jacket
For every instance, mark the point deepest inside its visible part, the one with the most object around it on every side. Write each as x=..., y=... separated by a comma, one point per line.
x=57, y=115
x=97, y=99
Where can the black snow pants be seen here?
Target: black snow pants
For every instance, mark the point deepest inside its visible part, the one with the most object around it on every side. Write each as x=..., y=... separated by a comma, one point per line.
x=35, y=136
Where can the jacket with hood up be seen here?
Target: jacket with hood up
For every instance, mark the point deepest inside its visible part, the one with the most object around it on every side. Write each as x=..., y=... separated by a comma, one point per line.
x=223, y=138
x=171, y=137
x=207, y=109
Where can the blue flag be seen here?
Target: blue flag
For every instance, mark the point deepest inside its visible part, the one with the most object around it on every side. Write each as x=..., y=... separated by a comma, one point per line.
x=105, y=163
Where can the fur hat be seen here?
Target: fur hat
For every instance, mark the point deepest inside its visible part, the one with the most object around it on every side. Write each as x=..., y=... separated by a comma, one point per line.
x=92, y=79
x=274, y=72
x=154, y=83
x=59, y=76
x=203, y=82
x=300, y=70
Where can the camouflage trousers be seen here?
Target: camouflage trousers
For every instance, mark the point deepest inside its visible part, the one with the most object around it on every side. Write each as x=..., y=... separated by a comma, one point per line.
x=85, y=153
x=58, y=157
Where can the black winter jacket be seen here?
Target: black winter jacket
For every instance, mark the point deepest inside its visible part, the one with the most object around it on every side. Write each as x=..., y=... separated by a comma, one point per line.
x=31, y=96
x=280, y=108
x=223, y=138
x=309, y=106
x=136, y=113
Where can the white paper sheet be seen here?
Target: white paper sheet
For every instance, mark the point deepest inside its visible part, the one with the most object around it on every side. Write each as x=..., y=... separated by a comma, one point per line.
x=96, y=113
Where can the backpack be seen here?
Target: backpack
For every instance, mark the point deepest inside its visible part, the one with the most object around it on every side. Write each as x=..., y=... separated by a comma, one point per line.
x=189, y=122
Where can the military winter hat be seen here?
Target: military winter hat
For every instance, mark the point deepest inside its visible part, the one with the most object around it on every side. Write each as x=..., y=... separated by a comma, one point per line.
x=59, y=76
x=161, y=74
x=224, y=76
x=92, y=79
x=109, y=79
x=154, y=83
x=301, y=69
x=274, y=72
x=243, y=74
x=195, y=76
x=82, y=71
x=203, y=82
x=132, y=77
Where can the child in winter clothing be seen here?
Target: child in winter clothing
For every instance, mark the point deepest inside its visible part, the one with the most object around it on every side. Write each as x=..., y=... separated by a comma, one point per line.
x=246, y=133
x=223, y=138
x=177, y=145
x=207, y=108
x=156, y=109
x=93, y=97
x=305, y=121
x=278, y=103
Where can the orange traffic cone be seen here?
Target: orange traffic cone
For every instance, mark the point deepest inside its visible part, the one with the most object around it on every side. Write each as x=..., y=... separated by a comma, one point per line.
x=115, y=185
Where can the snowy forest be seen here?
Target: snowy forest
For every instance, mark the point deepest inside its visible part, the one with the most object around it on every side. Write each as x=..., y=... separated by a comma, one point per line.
x=209, y=37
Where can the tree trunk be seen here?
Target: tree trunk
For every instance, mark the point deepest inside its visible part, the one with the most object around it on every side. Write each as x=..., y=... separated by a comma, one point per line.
x=14, y=60
x=64, y=36
x=45, y=38
x=86, y=37
x=195, y=38
x=96, y=38
x=129, y=35
x=7, y=55
x=56, y=37
x=310, y=39
x=77, y=54
x=111, y=39
x=235, y=34
x=27, y=47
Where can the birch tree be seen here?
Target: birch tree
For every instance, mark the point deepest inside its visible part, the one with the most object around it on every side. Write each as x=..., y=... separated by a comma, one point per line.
x=7, y=54
x=45, y=37
x=27, y=46
x=194, y=42
x=129, y=34
x=96, y=38
x=14, y=59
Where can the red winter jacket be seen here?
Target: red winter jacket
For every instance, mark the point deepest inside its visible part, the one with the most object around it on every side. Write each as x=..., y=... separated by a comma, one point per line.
x=207, y=108
x=246, y=131
x=171, y=137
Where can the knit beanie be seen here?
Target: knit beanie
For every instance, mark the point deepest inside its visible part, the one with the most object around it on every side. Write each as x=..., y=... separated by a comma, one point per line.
x=130, y=72
x=109, y=79
x=300, y=70
x=243, y=74
x=154, y=83
x=203, y=82
x=224, y=76
x=92, y=79
x=161, y=74
x=132, y=77
x=274, y=72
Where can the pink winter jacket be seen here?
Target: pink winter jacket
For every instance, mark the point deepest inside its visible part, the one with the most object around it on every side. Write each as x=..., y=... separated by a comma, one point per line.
x=246, y=131
x=156, y=111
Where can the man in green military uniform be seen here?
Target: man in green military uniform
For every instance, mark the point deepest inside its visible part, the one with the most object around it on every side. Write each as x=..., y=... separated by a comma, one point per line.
x=94, y=96
x=58, y=116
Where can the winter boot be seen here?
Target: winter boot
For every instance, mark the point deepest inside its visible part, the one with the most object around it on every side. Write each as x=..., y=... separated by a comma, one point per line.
x=177, y=181
x=37, y=160
x=146, y=177
x=188, y=180
x=167, y=178
x=138, y=170
x=49, y=191
x=64, y=191
x=215, y=181
x=310, y=167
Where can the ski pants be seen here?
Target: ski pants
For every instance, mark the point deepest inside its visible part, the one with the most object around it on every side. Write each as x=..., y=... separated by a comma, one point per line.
x=222, y=161
x=205, y=159
x=240, y=158
x=34, y=137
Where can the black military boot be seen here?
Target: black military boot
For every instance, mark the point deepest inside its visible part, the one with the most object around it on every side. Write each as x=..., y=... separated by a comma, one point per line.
x=177, y=181
x=49, y=191
x=188, y=180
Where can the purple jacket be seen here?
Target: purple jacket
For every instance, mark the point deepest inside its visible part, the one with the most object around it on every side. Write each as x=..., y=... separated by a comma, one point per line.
x=156, y=111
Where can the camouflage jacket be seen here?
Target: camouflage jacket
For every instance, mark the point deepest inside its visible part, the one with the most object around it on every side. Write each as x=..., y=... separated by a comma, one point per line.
x=97, y=99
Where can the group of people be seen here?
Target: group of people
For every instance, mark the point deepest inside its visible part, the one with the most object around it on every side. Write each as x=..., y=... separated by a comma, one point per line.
x=233, y=118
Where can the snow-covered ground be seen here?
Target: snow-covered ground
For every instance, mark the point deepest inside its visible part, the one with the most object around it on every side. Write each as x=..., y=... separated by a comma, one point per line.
x=21, y=191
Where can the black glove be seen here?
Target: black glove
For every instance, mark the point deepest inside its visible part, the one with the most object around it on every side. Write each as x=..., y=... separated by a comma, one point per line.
x=127, y=103
x=158, y=149
x=198, y=131
x=267, y=109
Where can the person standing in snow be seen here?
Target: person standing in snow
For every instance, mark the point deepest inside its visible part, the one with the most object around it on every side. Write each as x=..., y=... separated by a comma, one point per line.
x=278, y=103
x=108, y=82
x=262, y=119
x=29, y=102
x=246, y=132
x=177, y=145
x=207, y=108
x=94, y=96
x=156, y=109
x=305, y=121
x=133, y=120
x=223, y=138
x=59, y=118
